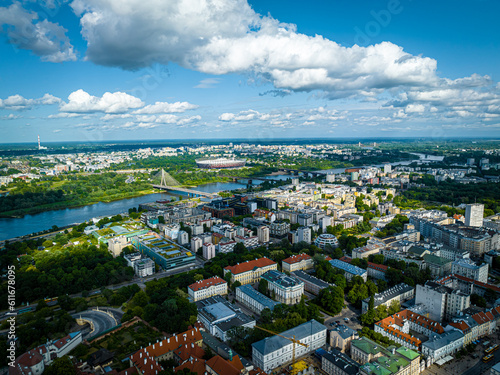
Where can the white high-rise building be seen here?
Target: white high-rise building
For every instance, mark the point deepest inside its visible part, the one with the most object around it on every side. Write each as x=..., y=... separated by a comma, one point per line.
x=263, y=234
x=474, y=215
x=196, y=243
x=304, y=234
x=387, y=168
x=208, y=250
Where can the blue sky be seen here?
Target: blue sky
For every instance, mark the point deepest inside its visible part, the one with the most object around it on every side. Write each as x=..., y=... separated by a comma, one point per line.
x=93, y=70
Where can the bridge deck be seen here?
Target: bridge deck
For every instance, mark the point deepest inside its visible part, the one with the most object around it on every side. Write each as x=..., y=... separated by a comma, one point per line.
x=184, y=190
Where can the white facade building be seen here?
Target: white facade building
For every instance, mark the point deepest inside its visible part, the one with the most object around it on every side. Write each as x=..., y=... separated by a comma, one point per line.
x=196, y=243
x=304, y=234
x=208, y=250
x=207, y=288
x=263, y=234
x=474, y=215
x=274, y=351
x=285, y=288
x=468, y=268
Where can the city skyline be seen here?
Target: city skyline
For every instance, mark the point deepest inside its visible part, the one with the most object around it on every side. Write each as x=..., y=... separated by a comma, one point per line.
x=98, y=71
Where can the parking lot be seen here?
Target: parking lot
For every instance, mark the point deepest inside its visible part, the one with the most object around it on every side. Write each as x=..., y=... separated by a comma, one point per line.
x=349, y=313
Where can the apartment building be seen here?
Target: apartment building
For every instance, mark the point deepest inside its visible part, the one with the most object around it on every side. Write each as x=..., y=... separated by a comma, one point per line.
x=207, y=288
x=284, y=288
x=253, y=299
x=297, y=262
x=249, y=272
x=274, y=351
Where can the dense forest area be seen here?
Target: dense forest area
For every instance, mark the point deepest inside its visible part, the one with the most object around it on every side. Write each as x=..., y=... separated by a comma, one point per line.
x=454, y=193
x=70, y=269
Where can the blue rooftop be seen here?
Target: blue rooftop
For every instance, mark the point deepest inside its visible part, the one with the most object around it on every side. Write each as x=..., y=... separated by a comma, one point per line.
x=257, y=296
x=347, y=267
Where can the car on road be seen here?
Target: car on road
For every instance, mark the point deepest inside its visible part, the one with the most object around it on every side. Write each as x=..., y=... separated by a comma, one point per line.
x=337, y=321
x=346, y=320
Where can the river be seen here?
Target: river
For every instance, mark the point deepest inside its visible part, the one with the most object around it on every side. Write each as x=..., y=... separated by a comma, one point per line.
x=15, y=227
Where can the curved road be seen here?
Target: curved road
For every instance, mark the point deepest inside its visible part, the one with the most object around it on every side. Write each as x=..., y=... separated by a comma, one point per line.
x=100, y=319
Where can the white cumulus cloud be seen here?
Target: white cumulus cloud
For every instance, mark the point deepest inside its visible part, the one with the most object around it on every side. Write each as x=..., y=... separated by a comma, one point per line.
x=227, y=36
x=164, y=107
x=18, y=102
x=118, y=102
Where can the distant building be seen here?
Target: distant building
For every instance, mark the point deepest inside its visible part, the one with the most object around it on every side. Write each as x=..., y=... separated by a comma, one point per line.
x=305, y=220
x=145, y=360
x=399, y=327
x=297, y=262
x=253, y=299
x=274, y=351
x=144, y=267
x=366, y=251
x=219, y=315
x=338, y=363
x=250, y=272
x=350, y=270
x=400, y=293
x=33, y=362
x=183, y=238
x=207, y=288
x=439, y=346
x=470, y=269
x=117, y=244
x=263, y=234
x=311, y=284
x=441, y=302
x=196, y=243
x=474, y=215
x=376, y=360
x=304, y=234
x=208, y=250
x=326, y=239
x=279, y=229
x=376, y=271
x=284, y=288
x=341, y=337
x=165, y=253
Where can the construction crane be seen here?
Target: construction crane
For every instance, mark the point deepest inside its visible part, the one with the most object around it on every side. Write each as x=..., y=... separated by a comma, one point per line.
x=292, y=339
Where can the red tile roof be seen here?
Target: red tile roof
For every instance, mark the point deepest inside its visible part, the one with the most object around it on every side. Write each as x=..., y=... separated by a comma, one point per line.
x=222, y=367
x=378, y=267
x=462, y=326
x=346, y=259
x=297, y=258
x=250, y=265
x=145, y=358
x=388, y=324
x=188, y=351
x=216, y=280
x=447, y=279
x=196, y=365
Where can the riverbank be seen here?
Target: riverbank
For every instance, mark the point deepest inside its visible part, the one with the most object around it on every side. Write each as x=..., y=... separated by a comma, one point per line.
x=64, y=205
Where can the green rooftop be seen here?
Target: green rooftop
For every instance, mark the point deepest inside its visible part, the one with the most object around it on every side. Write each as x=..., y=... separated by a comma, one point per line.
x=372, y=368
x=434, y=259
x=408, y=353
x=367, y=345
x=393, y=363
